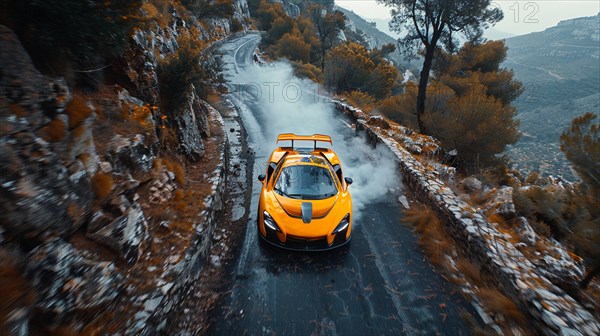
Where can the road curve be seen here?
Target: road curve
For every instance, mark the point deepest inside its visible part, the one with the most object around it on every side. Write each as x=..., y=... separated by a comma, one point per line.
x=380, y=285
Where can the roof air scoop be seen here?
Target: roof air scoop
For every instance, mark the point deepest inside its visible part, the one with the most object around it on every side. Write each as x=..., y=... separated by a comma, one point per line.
x=307, y=212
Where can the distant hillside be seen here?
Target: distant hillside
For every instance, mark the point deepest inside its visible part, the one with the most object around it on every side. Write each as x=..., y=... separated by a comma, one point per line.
x=560, y=68
x=384, y=26
x=376, y=37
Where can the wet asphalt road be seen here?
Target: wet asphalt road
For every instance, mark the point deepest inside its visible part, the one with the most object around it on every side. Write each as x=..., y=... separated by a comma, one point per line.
x=381, y=284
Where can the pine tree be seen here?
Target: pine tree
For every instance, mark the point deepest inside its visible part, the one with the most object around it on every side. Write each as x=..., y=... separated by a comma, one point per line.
x=433, y=23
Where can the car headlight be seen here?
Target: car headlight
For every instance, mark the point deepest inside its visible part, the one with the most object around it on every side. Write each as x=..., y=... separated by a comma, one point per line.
x=343, y=225
x=270, y=222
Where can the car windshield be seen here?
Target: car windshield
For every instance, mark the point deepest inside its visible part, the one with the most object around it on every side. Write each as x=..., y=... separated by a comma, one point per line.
x=305, y=182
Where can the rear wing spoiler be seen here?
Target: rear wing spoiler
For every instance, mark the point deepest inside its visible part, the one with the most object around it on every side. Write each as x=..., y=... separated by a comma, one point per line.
x=293, y=137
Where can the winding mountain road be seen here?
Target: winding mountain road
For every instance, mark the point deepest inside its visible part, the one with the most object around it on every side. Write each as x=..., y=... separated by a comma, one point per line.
x=381, y=284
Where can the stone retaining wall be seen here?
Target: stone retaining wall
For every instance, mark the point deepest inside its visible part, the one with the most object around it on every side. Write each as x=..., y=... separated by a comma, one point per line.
x=160, y=304
x=553, y=311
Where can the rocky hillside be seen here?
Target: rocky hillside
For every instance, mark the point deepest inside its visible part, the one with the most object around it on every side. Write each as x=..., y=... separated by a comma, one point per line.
x=108, y=199
x=560, y=70
x=374, y=37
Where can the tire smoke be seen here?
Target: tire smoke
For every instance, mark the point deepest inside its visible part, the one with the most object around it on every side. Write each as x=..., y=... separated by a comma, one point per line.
x=282, y=103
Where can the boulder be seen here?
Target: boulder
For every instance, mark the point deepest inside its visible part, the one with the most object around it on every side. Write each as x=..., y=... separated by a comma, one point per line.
x=189, y=124
x=39, y=195
x=525, y=232
x=42, y=191
x=126, y=234
x=471, y=184
x=504, y=203
x=67, y=282
x=130, y=154
x=560, y=267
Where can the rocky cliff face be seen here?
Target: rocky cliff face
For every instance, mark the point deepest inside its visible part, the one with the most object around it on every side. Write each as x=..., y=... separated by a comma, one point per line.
x=81, y=178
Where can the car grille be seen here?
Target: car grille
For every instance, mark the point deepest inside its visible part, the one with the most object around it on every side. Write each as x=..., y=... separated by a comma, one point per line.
x=302, y=243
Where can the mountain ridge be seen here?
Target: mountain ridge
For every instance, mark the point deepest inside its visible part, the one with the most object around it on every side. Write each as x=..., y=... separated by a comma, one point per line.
x=560, y=70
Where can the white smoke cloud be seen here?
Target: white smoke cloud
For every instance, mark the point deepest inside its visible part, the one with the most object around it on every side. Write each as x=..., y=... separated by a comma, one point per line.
x=291, y=105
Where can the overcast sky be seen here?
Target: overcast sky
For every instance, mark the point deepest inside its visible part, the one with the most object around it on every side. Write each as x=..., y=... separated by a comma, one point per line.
x=520, y=17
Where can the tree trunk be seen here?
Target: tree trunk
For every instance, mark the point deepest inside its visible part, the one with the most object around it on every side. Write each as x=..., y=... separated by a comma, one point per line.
x=588, y=278
x=421, y=95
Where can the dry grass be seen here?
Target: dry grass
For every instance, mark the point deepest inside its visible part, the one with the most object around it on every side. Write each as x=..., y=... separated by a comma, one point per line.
x=496, y=218
x=433, y=238
x=179, y=200
x=362, y=100
x=470, y=270
x=499, y=303
x=77, y=110
x=54, y=131
x=102, y=185
x=158, y=10
x=436, y=244
x=176, y=168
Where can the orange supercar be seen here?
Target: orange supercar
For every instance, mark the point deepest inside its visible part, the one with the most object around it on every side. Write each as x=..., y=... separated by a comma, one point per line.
x=304, y=202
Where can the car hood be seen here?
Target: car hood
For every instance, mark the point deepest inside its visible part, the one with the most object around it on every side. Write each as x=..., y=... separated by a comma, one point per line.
x=306, y=209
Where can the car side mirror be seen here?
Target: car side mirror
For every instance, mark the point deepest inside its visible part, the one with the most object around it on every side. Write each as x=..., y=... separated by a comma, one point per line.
x=261, y=177
x=348, y=180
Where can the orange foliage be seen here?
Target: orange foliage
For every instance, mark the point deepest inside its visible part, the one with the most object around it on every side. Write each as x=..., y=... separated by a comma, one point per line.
x=179, y=200
x=477, y=125
x=77, y=110
x=292, y=46
x=362, y=100
x=17, y=110
x=75, y=211
x=102, y=185
x=499, y=303
x=158, y=10
x=78, y=132
x=15, y=291
x=54, y=131
x=83, y=157
x=176, y=168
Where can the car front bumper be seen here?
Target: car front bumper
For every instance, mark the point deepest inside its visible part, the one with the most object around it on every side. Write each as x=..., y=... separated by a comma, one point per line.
x=295, y=243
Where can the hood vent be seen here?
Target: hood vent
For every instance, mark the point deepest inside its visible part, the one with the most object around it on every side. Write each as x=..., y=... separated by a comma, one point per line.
x=307, y=212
